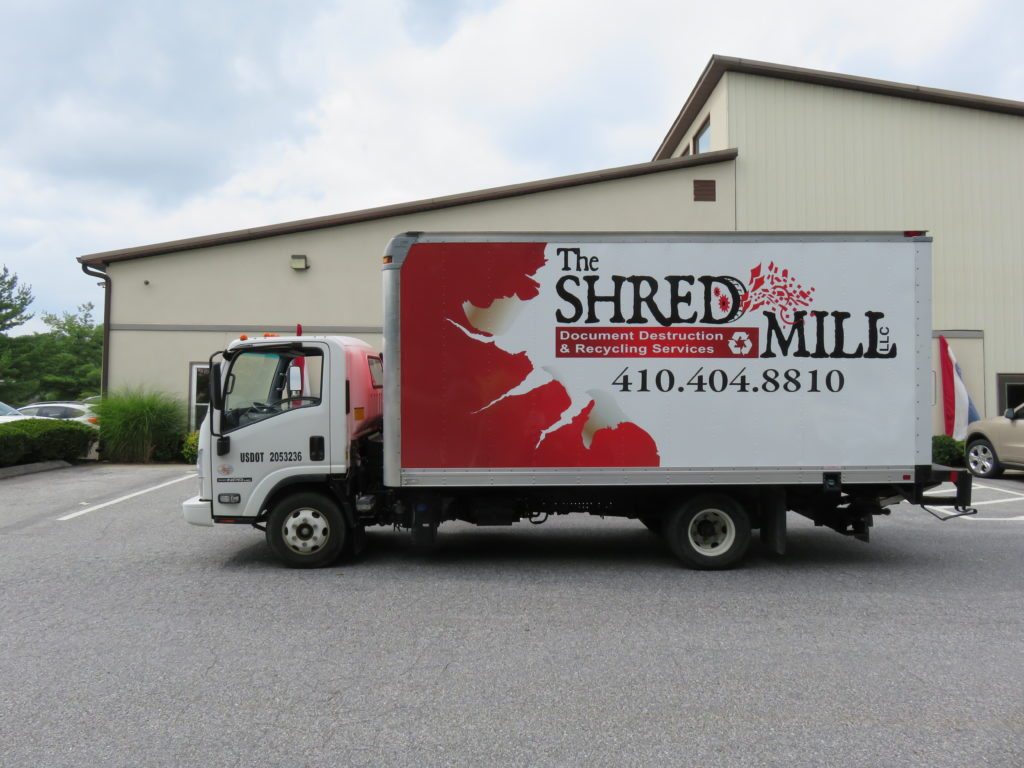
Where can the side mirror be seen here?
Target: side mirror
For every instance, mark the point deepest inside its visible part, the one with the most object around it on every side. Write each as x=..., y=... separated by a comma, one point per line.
x=216, y=391
x=1010, y=414
x=295, y=380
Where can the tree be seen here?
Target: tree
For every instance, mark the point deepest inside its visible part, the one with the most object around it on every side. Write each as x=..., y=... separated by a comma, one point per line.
x=14, y=301
x=72, y=353
x=60, y=364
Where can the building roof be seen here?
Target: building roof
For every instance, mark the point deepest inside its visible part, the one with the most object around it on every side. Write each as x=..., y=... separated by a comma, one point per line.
x=402, y=209
x=719, y=65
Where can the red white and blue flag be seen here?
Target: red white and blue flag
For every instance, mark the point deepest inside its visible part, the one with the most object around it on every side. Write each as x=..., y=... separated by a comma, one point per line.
x=957, y=406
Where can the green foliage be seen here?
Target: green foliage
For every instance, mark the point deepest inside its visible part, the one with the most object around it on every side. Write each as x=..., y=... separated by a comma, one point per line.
x=14, y=445
x=14, y=301
x=190, y=448
x=29, y=440
x=141, y=426
x=61, y=364
x=947, y=451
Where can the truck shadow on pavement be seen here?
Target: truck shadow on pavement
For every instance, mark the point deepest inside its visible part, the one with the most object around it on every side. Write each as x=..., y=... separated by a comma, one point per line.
x=590, y=548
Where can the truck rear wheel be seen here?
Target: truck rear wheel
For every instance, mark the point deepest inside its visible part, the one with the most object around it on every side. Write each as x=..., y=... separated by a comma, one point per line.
x=709, y=532
x=306, y=530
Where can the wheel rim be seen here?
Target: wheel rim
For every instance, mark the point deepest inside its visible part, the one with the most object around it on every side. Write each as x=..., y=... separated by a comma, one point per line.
x=980, y=459
x=305, y=531
x=711, y=532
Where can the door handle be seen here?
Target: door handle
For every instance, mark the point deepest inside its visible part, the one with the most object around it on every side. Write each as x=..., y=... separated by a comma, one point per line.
x=316, y=448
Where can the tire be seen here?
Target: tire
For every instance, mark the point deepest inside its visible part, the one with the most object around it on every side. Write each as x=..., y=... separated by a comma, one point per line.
x=655, y=525
x=306, y=530
x=982, y=460
x=710, y=532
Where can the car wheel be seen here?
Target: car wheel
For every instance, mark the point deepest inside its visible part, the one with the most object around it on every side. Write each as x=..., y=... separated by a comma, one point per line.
x=982, y=460
x=709, y=532
x=306, y=530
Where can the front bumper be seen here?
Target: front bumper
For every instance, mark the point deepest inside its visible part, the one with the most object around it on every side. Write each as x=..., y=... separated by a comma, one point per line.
x=198, y=511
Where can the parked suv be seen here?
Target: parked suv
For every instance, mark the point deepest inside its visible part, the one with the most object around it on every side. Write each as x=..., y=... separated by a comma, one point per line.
x=996, y=444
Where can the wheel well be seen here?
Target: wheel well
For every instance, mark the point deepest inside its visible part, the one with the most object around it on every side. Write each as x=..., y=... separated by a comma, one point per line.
x=298, y=485
x=975, y=436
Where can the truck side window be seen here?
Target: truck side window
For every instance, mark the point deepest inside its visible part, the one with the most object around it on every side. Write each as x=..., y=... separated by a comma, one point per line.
x=263, y=384
x=376, y=371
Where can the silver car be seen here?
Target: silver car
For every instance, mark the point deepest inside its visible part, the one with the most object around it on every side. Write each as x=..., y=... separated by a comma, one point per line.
x=9, y=414
x=996, y=444
x=65, y=409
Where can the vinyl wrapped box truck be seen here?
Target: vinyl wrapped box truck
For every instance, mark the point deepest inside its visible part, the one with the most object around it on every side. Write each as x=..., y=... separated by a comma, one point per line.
x=705, y=385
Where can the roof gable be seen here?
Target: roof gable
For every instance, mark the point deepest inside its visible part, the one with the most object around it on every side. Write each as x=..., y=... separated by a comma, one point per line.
x=718, y=65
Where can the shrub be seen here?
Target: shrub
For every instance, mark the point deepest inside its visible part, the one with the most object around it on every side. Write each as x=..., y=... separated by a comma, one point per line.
x=141, y=426
x=29, y=440
x=13, y=445
x=190, y=448
x=947, y=451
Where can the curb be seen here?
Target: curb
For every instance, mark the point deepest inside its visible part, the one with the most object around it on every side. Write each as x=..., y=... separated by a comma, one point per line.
x=31, y=469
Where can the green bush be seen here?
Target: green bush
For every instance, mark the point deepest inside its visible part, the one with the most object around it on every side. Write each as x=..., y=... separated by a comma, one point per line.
x=13, y=445
x=190, y=448
x=29, y=440
x=947, y=451
x=141, y=426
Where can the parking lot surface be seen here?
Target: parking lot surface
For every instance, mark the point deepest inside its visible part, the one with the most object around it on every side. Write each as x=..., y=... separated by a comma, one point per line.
x=130, y=638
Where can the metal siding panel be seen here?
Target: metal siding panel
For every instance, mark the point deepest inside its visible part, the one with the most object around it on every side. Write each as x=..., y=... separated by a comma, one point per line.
x=821, y=158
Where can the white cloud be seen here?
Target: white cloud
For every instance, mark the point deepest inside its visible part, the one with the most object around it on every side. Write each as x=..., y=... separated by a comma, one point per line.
x=184, y=120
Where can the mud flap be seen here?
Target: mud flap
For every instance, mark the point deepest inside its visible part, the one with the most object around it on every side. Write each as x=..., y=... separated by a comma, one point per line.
x=773, y=521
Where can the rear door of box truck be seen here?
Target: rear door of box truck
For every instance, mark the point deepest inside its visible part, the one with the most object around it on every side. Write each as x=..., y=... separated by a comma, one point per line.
x=562, y=359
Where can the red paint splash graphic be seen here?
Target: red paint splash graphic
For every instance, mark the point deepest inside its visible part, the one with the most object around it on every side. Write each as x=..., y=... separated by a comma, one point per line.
x=776, y=290
x=454, y=414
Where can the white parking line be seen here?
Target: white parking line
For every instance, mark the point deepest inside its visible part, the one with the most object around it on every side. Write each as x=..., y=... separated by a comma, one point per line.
x=1001, y=490
x=87, y=510
x=993, y=501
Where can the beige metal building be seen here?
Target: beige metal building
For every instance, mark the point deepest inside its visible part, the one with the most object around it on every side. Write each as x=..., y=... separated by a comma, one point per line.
x=756, y=147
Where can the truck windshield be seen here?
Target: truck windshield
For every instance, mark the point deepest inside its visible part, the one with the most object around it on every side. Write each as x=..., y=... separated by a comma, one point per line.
x=266, y=383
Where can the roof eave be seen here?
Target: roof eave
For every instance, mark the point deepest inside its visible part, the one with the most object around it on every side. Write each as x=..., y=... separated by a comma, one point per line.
x=402, y=209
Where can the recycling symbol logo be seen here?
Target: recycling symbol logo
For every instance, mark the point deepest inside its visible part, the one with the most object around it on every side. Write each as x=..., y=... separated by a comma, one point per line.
x=740, y=343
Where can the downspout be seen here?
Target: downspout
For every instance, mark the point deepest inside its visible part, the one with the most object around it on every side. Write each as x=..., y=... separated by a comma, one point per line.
x=101, y=273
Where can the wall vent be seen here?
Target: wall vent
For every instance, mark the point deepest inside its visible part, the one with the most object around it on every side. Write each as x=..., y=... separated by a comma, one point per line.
x=704, y=190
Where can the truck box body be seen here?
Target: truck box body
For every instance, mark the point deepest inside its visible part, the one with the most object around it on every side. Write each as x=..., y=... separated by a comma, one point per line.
x=656, y=359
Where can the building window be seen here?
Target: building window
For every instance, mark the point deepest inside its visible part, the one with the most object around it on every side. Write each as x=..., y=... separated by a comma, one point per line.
x=198, y=394
x=702, y=139
x=1010, y=390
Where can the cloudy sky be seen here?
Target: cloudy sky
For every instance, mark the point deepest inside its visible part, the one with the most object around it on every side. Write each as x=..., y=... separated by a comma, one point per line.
x=127, y=122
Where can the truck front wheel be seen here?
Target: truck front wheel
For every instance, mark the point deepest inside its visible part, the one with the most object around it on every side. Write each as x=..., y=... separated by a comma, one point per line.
x=306, y=530
x=709, y=532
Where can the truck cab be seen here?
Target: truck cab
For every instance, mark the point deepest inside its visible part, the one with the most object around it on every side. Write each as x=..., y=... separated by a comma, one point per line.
x=287, y=416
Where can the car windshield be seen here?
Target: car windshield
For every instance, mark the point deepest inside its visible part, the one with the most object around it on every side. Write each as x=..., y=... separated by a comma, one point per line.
x=6, y=410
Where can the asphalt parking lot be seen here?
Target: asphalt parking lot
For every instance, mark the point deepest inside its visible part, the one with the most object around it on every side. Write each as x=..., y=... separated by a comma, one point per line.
x=130, y=638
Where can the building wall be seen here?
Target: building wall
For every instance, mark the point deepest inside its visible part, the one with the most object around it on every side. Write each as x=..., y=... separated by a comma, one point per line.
x=717, y=107
x=820, y=158
x=196, y=301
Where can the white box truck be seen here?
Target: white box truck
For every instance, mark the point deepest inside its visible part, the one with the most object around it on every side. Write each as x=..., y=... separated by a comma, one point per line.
x=704, y=385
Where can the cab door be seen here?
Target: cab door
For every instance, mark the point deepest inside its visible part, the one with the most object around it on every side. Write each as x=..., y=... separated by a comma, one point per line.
x=275, y=423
